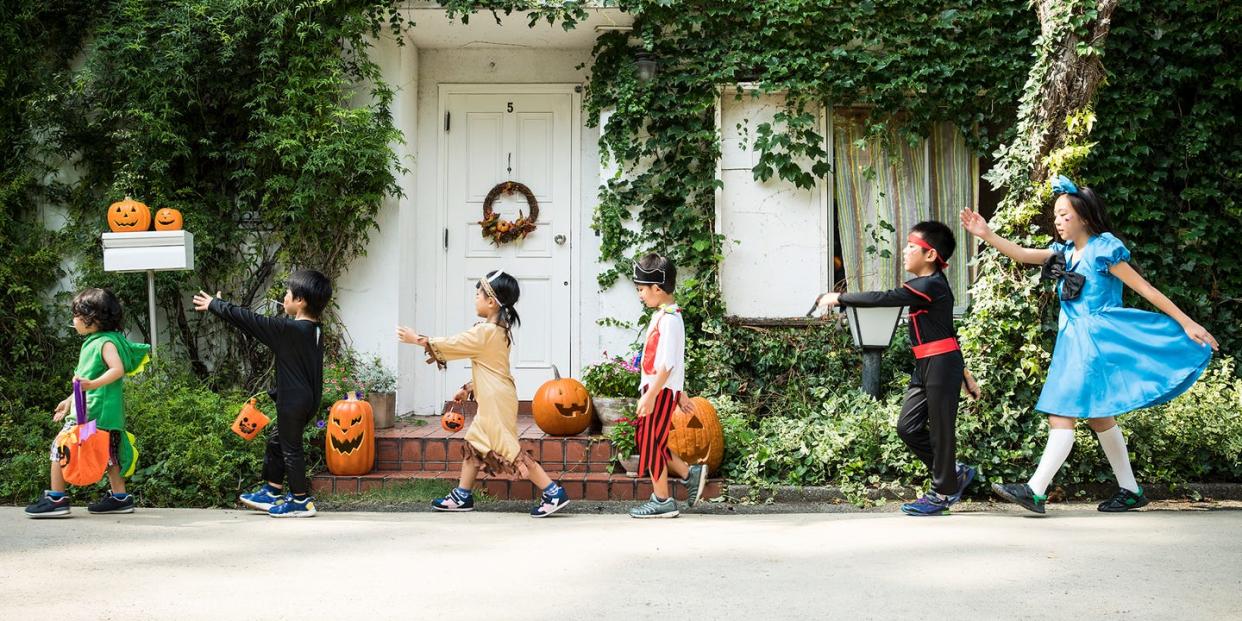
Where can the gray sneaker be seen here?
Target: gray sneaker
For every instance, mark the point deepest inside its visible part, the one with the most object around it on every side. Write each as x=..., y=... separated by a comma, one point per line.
x=655, y=509
x=696, y=480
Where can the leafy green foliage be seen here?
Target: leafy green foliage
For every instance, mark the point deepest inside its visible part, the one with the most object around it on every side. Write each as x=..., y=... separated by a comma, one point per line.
x=614, y=377
x=915, y=64
x=1167, y=155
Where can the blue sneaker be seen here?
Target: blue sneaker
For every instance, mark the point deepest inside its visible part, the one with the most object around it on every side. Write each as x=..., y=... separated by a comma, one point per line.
x=294, y=508
x=455, y=501
x=550, y=503
x=264, y=499
x=965, y=474
x=930, y=504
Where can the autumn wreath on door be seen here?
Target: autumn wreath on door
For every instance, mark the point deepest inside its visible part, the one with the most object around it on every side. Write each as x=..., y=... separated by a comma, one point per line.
x=502, y=231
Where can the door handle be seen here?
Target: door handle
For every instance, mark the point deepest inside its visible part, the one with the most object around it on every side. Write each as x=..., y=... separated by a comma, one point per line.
x=559, y=239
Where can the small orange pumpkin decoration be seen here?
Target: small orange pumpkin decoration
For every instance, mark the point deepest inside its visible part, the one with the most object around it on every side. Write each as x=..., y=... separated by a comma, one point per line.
x=168, y=219
x=562, y=406
x=350, y=441
x=697, y=438
x=250, y=421
x=452, y=421
x=128, y=215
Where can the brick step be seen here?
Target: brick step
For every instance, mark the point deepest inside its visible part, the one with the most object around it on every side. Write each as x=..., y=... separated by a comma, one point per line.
x=421, y=445
x=574, y=454
x=580, y=486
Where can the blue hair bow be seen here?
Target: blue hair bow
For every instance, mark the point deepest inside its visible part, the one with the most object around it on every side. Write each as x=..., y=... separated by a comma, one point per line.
x=1062, y=185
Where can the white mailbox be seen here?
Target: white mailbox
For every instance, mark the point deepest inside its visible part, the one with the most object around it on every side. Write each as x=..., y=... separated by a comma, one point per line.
x=148, y=251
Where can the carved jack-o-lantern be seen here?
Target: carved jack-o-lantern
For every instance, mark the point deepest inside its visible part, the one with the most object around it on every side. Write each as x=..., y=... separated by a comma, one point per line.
x=697, y=438
x=452, y=421
x=562, y=406
x=168, y=219
x=250, y=421
x=350, y=442
x=129, y=215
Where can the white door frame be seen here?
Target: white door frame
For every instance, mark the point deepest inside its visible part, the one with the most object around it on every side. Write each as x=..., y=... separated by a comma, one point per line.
x=575, y=206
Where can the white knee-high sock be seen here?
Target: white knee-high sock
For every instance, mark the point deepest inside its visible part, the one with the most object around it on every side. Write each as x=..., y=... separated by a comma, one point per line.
x=1060, y=442
x=1114, y=445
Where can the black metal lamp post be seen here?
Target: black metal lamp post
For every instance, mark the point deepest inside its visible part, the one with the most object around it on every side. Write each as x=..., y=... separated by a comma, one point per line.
x=872, y=329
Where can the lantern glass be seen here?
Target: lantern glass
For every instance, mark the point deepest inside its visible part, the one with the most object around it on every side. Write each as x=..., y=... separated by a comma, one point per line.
x=646, y=68
x=873, y=327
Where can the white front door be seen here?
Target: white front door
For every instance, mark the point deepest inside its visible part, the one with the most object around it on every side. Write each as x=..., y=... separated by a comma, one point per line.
x=491, y=138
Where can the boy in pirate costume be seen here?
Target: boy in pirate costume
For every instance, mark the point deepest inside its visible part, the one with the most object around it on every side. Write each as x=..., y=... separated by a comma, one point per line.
x=663, y=378
x=929, y=413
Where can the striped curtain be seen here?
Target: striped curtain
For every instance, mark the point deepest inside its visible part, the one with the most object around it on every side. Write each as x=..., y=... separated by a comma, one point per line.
x=954, y=176
x=898, y=187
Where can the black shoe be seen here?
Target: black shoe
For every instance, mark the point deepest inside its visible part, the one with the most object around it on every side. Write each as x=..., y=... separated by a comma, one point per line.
x=1124, y=500
x=1021, y=494
x=48, y=508
x=112, y=504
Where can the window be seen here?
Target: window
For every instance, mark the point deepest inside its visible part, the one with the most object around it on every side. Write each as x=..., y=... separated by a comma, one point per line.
x=784, y=244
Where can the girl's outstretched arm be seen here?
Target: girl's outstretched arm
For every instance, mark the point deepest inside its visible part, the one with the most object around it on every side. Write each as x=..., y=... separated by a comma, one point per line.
x=1135, y=281
x=977, y=226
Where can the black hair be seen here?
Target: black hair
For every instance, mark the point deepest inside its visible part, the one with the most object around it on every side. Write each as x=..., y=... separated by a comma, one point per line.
x=311, y=287
x=1088, y=205
x=507, y=294
x=652, y=262
x=938, y=236
x=100, y=309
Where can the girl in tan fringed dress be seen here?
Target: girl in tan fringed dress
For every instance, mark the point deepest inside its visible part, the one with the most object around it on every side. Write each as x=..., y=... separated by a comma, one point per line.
x=492, y=439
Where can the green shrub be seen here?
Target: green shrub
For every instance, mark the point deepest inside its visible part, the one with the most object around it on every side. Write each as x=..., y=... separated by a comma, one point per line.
x=188, y=456
x=851, y=440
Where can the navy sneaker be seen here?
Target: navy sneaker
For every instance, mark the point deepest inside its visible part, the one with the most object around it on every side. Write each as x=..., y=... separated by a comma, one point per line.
x=455, y=501
x=1022, y=494
x=112, y=504
x=294, y=508
x=550, y=503
x=1124, y=500
x=48, y=508
x=264, y=499
x=965, y=474
x=696, y=480
x=930, y=504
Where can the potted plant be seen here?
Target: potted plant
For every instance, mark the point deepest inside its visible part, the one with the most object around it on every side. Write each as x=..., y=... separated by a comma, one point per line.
x=379, y=384
x=612, y=385
x=624, y=446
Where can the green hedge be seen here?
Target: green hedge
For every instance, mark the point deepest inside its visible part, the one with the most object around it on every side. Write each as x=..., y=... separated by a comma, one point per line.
x=188, y=455
x=850, y=440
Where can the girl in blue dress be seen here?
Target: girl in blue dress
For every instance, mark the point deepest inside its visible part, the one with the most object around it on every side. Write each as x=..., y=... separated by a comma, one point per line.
x=1108, y=359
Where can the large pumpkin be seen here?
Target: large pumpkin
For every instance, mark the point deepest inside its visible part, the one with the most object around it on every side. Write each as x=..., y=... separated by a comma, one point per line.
x=697, y=438
x=350, y=442
x=562, y=406
x=168, y=219
x=128, y=215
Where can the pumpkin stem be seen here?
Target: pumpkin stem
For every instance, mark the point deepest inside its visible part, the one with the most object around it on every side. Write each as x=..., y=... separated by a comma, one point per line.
x=556, y=372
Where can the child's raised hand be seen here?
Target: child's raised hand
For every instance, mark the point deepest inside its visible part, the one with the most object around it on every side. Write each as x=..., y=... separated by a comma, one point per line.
x=974, y=223
x=409, y=335
x=826, y=301
x=1200, y=335
x=202, y=300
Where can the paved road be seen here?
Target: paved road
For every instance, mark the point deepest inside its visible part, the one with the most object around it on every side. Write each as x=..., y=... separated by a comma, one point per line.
x=216, y=564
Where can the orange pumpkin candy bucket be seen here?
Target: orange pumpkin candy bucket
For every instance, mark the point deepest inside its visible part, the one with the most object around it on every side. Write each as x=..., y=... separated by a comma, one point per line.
x=250, y=421
x=82, y=450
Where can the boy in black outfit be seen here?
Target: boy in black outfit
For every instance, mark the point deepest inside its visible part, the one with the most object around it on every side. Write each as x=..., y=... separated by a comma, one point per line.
x=929, y=413
x=298, y=345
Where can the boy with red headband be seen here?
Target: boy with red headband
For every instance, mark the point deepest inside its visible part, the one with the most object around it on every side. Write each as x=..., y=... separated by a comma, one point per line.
x=929, y=413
